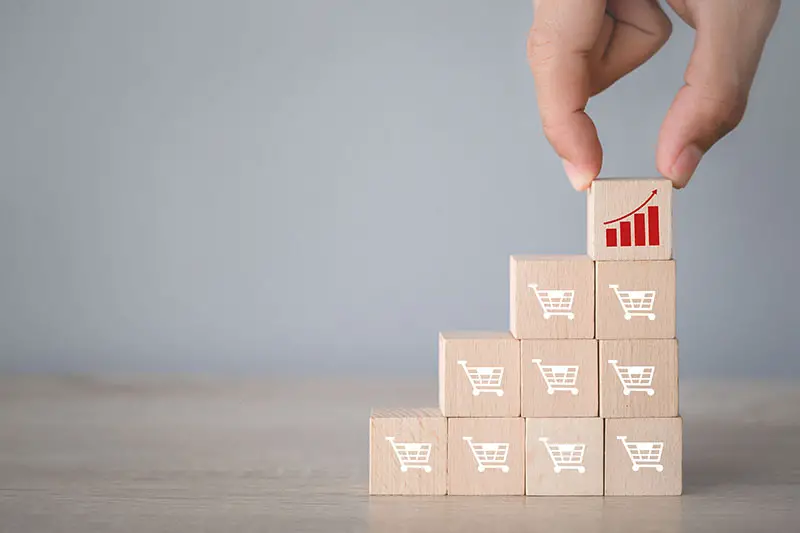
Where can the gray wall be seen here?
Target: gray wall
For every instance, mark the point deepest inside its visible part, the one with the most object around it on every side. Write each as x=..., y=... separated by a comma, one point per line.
x=291, y=186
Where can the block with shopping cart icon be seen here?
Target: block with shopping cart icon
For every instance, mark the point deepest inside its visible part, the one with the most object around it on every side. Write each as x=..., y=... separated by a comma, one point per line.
x=635, y=300
x=552, y=297
x=479, y=374
x=644, y=456
x=408, y=452
x=564, y=456
x=639, y=378
x=559, y=378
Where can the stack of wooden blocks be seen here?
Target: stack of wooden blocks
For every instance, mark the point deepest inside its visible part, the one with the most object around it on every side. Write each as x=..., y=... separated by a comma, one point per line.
x=581, y=396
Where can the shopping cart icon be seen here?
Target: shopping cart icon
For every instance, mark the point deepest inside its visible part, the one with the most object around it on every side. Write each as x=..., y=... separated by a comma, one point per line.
x=644, y=454
x=484, y=378
x=555, y=302
x=412, y=454
x=559, y=377
x=489, y=454
x=636, y=303
x=565, y=456
x=634, y=378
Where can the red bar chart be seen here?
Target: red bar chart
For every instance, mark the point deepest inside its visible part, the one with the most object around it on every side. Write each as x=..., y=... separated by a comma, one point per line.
x=640, y=227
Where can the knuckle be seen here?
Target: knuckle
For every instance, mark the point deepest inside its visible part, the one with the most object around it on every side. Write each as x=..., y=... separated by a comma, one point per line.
x=726, y=113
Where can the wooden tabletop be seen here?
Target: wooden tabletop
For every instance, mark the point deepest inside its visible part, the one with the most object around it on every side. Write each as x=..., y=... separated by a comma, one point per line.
x=83, y=454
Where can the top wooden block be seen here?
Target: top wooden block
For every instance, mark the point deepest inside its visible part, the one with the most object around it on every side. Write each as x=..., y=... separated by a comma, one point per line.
x=630, y=219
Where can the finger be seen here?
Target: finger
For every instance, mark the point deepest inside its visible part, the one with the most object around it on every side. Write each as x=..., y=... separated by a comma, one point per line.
x=563, y=34
x=727, y=50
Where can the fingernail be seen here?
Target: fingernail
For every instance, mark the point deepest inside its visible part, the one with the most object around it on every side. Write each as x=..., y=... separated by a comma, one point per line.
x=580, y=179
x=685, y=165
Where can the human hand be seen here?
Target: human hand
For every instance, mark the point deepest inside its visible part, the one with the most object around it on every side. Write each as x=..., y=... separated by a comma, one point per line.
x=578, y=48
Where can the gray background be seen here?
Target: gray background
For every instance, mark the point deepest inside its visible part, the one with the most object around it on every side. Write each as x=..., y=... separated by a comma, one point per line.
x=322, y=186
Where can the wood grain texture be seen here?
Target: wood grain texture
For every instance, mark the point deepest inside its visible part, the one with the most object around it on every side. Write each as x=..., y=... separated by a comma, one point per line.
x=542, y=400
x=629, y=476
x=658, y=276
x=395, y=466
x=659, y=398
x=609, y=199
x=478, y=353
x=545, y=475
x=551, y=272
x=279, y=454
x=465, y=439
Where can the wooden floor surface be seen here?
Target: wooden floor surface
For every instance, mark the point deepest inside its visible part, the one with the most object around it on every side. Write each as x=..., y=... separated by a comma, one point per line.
x=88, y=455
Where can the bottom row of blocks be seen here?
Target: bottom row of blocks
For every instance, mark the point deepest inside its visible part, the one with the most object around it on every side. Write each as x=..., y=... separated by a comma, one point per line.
x=417, y=451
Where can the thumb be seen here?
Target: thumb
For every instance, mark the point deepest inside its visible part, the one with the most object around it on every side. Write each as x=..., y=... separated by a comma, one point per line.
x=727, y=49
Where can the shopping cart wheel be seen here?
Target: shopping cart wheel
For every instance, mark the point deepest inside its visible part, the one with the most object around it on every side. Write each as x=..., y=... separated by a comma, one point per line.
x=571, y=316
x=659, y=468
x=581, y=469
x=499, y=393
x=627, y=316
x=427, y=469
x=650, y=392
x=505, y=469
x=651, y=317
x=626, y=392
x=635, y=468
x=550, y=392
x=481, y=468
x=404, y=468
x=557, y=469
x=574, y=392
x=547, y=316
x=475, y=392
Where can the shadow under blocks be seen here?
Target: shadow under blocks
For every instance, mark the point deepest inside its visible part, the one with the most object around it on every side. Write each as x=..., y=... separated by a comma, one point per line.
x=580, y=395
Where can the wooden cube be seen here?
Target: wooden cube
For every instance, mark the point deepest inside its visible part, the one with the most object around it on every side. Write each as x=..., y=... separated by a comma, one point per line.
x=639, y=378
x=559, y=378
x=564, y=456
x=644, y=457
x=635, y=300
x=630, y=219
x=479, y=374
x=486, y=456
x=552, y=297
x=408, y=451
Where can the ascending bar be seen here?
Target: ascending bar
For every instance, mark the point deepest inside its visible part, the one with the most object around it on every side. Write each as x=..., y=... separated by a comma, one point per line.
x=625, y=233
x=640, y=237
x=652, y=221
x=611, y=237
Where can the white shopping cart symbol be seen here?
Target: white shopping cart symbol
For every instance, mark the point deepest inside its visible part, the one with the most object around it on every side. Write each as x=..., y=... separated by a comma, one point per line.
x=412, y=454
x=559, y=377
x=489, y=454
x=636, y=303
x=484, y=378
x=635, y=378
x=565, y=456
x=555, y=302
x=644, y=454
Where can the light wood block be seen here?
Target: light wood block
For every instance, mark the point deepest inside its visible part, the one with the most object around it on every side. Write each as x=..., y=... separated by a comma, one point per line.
x=408, y=452
x=559, y=378
x=486, y=456
x=630, y=219
x=539, y=310
x=635, y=300
x=634, y=464
x=564, y=457
x=639, y=378
x=479, y=374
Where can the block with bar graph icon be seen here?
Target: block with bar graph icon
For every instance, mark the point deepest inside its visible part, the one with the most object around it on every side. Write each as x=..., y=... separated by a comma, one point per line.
x=559, y=378
x=552, y=296
x=486, y=456
x=479, y=374
x=630, y=219
x=639, y=378
x=564, y=456
x=408, y=451
x=644, y=457
x=635, y=299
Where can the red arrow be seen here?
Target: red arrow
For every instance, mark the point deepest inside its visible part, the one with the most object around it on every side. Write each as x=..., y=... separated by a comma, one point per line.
x=655, y=191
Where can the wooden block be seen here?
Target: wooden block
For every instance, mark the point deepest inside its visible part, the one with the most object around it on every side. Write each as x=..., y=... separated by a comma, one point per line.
x=564, y=456
x=408, y=451
x=639, y=378
x=479, y=374
x=552, y=297
x=559, y=378
x=486, y=456
x=644, y=456
x=630, y=219
x=635, y=300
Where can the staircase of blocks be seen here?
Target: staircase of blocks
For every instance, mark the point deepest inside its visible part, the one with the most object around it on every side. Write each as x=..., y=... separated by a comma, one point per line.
x=580, y=396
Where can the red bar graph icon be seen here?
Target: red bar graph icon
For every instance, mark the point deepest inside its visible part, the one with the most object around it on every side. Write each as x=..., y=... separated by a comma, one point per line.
x=642, y=230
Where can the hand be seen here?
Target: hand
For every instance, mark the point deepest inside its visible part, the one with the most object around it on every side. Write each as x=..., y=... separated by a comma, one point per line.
x=578, y=48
